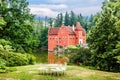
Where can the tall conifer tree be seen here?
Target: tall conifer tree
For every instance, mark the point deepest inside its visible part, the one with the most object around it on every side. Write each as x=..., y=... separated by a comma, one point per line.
x=66, y=20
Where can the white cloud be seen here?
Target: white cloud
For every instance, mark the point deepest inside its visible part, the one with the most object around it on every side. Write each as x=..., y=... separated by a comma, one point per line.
x=46, y=10
x=64, y=1
x=52, y=10
x=57, y=1
x=74, y=2
x=43, y=12
x=93, y=0
x=87, y=11
x=51, y=6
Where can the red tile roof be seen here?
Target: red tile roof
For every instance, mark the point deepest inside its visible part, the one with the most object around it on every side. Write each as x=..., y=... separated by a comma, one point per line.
x=78, y=26
x=70, y=30
x=53, y=30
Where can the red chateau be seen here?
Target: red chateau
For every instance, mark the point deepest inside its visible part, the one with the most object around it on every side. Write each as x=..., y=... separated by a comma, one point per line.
x=66, y=36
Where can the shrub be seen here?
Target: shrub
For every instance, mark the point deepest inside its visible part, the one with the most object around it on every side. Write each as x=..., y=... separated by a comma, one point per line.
x=2, y=64
x=16, y=59
x=5, y=45
x=82, y=56
x=31, y=59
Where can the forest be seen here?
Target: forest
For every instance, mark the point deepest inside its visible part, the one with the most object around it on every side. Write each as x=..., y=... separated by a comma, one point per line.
x=21, y=35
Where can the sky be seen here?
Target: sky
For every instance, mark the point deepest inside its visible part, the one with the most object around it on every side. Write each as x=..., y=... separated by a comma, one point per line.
x=51, y=8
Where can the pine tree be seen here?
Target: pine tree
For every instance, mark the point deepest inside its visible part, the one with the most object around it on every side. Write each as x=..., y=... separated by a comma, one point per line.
x=91, y=22
x=66, y=20
x=73, y=18
x=59, y=20
x=50, y=22
x=46, y=18
x=83, y=21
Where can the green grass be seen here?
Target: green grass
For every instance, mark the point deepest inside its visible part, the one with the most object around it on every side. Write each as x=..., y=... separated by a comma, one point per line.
x=31, y=72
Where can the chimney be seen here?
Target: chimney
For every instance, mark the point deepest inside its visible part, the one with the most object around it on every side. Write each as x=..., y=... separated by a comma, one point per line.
x=73, y=27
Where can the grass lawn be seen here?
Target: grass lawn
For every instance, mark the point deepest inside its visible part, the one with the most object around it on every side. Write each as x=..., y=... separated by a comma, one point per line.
x=31, y=72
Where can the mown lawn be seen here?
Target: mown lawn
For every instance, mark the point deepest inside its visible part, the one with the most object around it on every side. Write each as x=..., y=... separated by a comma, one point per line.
x=31, y=72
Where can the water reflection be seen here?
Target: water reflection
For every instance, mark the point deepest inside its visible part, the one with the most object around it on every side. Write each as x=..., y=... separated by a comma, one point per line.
x=55, y=59
x=41, y=56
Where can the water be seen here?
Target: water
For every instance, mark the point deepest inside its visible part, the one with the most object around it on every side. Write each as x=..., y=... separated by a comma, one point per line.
x=41, y=56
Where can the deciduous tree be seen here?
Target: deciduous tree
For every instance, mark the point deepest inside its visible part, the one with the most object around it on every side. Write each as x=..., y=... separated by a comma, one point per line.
x=19, y=26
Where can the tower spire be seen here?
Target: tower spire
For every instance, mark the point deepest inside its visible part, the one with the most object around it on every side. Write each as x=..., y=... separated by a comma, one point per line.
x=78, y=26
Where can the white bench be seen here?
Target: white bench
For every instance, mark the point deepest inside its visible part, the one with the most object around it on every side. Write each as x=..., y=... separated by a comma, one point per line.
x=53, y=69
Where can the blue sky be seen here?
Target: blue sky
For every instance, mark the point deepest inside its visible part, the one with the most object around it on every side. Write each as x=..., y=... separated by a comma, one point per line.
x=51, y=8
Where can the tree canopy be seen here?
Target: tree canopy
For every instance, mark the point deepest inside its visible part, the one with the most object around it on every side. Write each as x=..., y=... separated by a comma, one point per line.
x=16, y=24
x=104, y=38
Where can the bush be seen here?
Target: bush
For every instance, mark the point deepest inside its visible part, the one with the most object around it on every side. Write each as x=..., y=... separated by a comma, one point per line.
x=82, y=56
x=31, y=59
x=17, y=59
x=5, y=45
x=2, y=64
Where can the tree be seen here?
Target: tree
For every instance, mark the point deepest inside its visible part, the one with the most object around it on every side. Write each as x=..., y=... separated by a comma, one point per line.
x=19, y=23
x=81, y=19
x=59, y=20
x=84, y=21
x=81, y=56
x=2, y=23
x=50, y=22
x=46, y=18
x=73, y=18
x=38, y=26
x=91, y=22
x=67, y=19
x=104, y=37
x=44, y=37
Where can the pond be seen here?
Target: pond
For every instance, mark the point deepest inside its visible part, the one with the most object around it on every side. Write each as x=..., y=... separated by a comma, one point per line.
x=41, y=56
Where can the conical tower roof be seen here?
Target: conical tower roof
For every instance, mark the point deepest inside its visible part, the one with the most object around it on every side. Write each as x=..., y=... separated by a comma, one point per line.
x=78, y=26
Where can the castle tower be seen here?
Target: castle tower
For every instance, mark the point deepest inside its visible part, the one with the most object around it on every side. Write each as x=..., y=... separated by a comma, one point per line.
x=80, y=34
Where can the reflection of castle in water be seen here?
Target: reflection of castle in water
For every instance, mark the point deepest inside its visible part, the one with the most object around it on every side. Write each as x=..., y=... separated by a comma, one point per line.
x=53, y=59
